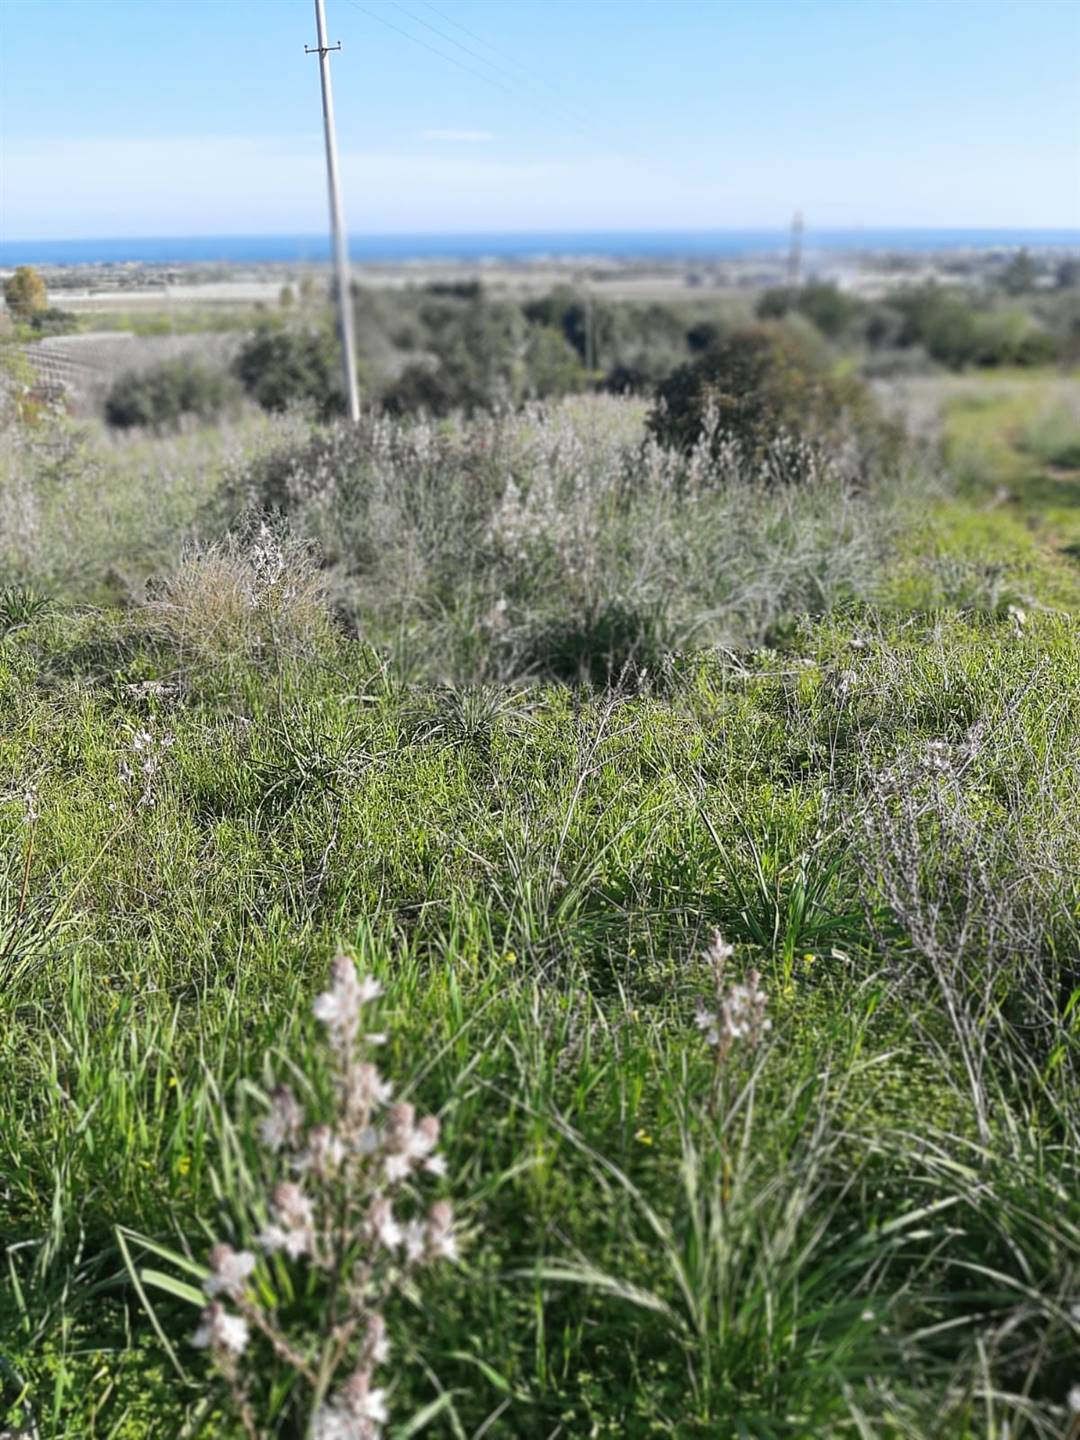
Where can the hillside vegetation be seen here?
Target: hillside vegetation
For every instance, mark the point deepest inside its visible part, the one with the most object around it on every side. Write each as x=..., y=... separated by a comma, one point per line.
x=598, y=752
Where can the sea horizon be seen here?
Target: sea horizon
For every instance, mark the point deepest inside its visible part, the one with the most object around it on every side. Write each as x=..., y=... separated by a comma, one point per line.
x=525, y=246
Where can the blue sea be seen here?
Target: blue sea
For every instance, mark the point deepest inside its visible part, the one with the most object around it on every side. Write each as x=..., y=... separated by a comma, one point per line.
x=697, y=245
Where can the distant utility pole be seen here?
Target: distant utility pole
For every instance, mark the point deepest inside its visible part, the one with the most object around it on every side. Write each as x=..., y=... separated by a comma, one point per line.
x=589, y=357
x=795, y=253
x=590, y=330
x=337, y=221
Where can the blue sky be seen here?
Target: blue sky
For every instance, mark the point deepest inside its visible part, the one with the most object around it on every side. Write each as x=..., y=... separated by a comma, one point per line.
x=183, y=117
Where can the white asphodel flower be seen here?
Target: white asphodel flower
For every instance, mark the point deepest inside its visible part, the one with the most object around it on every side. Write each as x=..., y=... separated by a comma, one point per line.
x=281, y=1124
x=324, y=1153
x=410, y=1144
x=383, y=1224
x=291, y=1227
x=737, y=1013
x=719, y=951
x=362, y=1402
x=358, y=1417
x=294, y=1242
x=376, y=1345
x=218, y=1330
x=369, y=1088
x=229, y=1271
x=339, y=1007
x=327, y=1162
x=415, y=1241
x=441, y=1240
x=374, y=1407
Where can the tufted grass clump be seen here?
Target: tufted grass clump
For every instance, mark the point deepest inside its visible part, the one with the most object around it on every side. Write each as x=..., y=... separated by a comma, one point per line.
x=256, y=595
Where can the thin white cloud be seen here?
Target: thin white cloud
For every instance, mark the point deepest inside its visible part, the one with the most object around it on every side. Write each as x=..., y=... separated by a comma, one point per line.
x=460, y=137
x=221, y=185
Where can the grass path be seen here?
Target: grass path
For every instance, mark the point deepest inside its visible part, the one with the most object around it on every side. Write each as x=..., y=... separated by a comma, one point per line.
x=1021, y=435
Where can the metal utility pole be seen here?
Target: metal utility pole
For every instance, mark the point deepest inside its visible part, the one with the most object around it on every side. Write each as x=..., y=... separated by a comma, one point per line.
x=337, y=222
x=795, y=252
x=581, y=281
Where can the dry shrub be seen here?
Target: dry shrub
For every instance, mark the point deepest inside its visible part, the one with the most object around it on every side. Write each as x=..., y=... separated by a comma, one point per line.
x=258, y=594
x=563, y=541
x=973, y=848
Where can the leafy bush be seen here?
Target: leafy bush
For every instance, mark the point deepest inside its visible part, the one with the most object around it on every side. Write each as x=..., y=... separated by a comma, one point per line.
x=552, y=365
x=703, y=336
x=163, y=396
x=52, y=321
x=455, y=289
x=749, y=388
x=828, y=308
x=956, y=333
x=563, y=310
x=429, y=390
x=476, y=358
x=1020, y=274
x=1037, y=347
x=25, y=292
x=279, y=368
x=929, y=317
x=1054, y=436
x=628, y=380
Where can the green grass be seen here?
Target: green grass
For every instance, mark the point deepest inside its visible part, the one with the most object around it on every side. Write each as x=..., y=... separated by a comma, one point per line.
x=179, y=319
x=878, y=810
x=1018, y=438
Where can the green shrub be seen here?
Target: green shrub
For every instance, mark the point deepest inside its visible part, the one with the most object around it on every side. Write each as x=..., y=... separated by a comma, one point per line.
x=957, y=333
x=1037, y=347
x=279, y=368
x=628, y=380
x=476, y=357
x=1020, y=274
x=1054, y=436
x=430, y=390
x=823, y=304
x=552, y=365
x=52, y=321
x=161, y=397
x=611, y=644
x=829, y=308
x=775, y=303
x=25, y=292
x=749, y=388
x=703, y=336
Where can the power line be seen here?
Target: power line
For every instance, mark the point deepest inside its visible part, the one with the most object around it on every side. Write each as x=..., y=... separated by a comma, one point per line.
x=479, y=74
x=509, y=59
x=578, y=118
x=513, y=88
x=419, y=20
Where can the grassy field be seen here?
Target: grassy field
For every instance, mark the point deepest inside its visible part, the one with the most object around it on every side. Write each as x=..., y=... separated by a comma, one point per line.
x=1024, y=438
x=550, y=711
